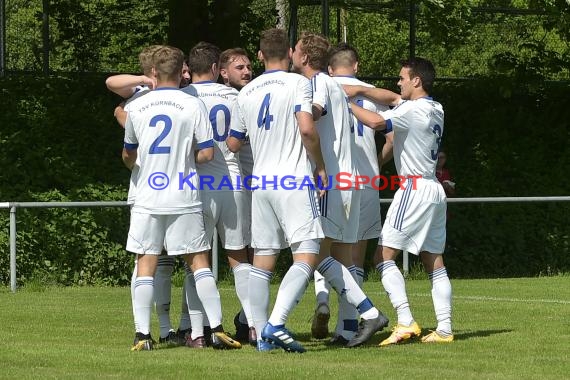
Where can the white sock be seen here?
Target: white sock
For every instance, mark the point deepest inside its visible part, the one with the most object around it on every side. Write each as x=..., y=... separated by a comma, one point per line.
x=241, y=279
x=133, y=279
x=209, y=295
x=441, y=295
x=144, y=289
x=290, y=292
x=162, y=291
x=395, y=286
x=195, y=308
x=322, y=288
x=347, y=321
x=259, y=297
x=344, y=284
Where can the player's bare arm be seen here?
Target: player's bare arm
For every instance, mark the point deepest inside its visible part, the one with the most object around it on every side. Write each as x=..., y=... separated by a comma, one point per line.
x=129, y=157
x=378, y=95
x=120, y=114
x=234, y=144
x=387, y=150
x=204, y=155
x=124, y=84
x=317, y=112
x=368, y=118
x=310, y=138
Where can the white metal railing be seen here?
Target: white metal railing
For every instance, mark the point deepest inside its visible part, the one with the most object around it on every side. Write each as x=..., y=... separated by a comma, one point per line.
x=13, y=207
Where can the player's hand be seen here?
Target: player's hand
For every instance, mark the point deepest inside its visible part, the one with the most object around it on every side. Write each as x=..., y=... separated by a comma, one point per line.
x=321, y=181
x=148, y=81
x=351, y=90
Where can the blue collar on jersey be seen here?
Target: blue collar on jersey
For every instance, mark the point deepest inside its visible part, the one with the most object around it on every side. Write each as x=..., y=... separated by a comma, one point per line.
x=271, y=71
x=426, y=97
x=203, y=82
x=166, y=88
x=344, y=76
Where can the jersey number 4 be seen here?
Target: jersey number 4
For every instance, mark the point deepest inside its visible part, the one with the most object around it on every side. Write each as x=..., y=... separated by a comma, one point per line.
x=155, y=147
x=264, y=118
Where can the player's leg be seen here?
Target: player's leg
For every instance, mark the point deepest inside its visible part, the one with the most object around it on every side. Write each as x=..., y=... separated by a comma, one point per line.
x=133, y=280
x=144, y=299
x=145, y=238
x=347, y=319
x=185, y=324
x=358, y=252
x=395, y=286
x=320, y=325
x=291, y=290
x=185, y=235
x=233, y=229
x=198, y=337
x=441, y=296
x=162, y=298
x=340, y=278
x=338, y=226
x=241, y=269
x=433, y=263
x=264, y=261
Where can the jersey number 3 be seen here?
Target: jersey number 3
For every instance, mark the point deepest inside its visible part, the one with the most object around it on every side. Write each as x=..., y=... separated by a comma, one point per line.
x=437, y=131
x=155, y=147
x=264, y=118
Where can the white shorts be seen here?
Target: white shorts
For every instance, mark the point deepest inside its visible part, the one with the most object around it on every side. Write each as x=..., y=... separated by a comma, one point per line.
x=416, y=218
x=282, y=217
x=226, y=210
x=179, y=234
x=370, y=220
x=339, y=210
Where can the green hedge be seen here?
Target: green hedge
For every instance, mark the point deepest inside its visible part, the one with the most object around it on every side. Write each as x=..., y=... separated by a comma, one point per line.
x=59, y=141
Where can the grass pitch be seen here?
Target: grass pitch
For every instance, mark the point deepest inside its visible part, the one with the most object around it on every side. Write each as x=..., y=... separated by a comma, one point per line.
x=506, y=328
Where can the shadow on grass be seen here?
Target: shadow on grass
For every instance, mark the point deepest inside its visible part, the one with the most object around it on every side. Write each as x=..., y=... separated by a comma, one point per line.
x=322, y=344
x=464, y=335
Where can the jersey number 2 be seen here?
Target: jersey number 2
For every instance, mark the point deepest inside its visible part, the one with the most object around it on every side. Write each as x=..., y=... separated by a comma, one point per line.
x=154, y=147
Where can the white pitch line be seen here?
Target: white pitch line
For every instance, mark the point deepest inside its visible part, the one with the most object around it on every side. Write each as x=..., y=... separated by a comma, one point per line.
x=499, y=299
x=471, y=298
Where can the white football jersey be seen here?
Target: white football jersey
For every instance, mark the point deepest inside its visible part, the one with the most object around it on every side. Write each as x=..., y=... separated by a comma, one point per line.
x=219, y=100
x=166, y=126
x=138, y=92
x=418, y=129
x=265, y=110
x=364, y=153
x=335, y=127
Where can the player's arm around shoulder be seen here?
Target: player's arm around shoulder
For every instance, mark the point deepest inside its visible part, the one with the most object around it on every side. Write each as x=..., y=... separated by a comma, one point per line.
x=377, y=95
x=130, y=153
x=370, y=119
x=124, y=84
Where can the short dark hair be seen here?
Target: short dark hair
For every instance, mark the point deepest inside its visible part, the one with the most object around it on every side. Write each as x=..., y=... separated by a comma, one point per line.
x=423, y=69
x=202, y=56
x=317, y=49
x=274, y=44
x=343, y=55
x=227, y=56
